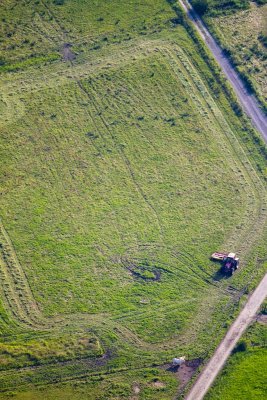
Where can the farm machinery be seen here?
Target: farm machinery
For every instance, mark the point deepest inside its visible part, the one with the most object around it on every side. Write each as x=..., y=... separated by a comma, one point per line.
x=229, y=261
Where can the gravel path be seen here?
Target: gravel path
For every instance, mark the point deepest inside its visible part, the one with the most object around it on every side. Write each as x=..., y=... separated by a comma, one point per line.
x=221, y=354
x=248, y=101
x=252, y=108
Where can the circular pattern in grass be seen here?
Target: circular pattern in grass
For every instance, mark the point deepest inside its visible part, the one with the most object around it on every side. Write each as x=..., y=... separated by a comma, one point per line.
x=145, y=272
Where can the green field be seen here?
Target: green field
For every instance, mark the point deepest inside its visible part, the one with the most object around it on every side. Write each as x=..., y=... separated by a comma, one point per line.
x=123, y=167
x=244, y=376
x=243, y=34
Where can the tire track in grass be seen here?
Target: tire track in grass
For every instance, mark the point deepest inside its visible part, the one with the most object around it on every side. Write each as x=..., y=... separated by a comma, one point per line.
x=249, y=184
x=125, y=160
x=229, y=137
x=16, y=287
x=89, y=318
x=239, y=294
x=64, y=36
x=118, y=148
x=145, y=197
x=167, y=52
x=261, y=215
x=185, y=260
x=61, y=31
x=255, y=228
x=97, y=132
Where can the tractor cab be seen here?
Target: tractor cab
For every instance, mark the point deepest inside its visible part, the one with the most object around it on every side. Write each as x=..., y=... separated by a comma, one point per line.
x=230, y=264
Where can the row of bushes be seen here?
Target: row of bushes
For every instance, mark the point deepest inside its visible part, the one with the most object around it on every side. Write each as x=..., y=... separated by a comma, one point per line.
x=217, y=7
x=222, y=7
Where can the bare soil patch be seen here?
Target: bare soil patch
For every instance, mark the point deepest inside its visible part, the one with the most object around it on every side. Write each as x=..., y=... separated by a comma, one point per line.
x=104, y=359
x=158, y=384
x=68, y=55
x=136, y=390
x=185, y=371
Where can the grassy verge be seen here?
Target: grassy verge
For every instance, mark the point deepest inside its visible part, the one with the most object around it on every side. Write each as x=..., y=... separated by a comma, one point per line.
x=245, y=373
x=241, y=34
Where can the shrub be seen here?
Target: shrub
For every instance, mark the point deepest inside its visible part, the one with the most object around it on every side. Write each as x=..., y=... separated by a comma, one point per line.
x=240, y=347
x=201, y=6
x=216, y=7
x=263, y=39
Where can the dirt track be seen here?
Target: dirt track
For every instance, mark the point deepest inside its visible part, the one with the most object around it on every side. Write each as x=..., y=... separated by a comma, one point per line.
x=249, y=103
x=259, y=120
x=221, y=354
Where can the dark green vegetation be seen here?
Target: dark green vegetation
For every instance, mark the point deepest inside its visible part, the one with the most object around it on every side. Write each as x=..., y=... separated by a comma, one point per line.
x=244, y=376
x=242, y=34
x=222, y=7
x=123, y=167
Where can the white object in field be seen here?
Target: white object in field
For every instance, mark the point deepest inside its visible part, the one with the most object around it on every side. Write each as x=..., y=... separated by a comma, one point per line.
x=178, y=361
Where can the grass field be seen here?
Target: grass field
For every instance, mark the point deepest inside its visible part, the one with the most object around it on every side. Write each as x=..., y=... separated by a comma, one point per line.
x=243, y=34
x=123, y=167
x=33, y=32
x=244, y=377
x=146, y=384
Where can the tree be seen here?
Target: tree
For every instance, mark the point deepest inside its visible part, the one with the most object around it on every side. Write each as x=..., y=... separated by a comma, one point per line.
x=201, y=6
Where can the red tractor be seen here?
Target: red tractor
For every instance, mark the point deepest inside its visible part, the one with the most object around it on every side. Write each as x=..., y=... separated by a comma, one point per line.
x=230, y=262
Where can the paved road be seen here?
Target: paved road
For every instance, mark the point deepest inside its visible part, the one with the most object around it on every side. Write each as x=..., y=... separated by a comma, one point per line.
x=221, y=354
x=248, y=101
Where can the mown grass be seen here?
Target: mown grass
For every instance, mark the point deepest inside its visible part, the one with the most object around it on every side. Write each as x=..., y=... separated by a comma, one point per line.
x=110, y=160
x=117, y=184
x=146, y=384
x=244, y=376
x=18, y=353
x=39, y=29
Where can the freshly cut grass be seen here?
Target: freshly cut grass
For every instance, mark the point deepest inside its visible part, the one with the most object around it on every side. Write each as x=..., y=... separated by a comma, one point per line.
x=146, y=384
x=110, y=179
x=122, y=171
x=40, y=28
x=44, y=351
x=103, y=165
